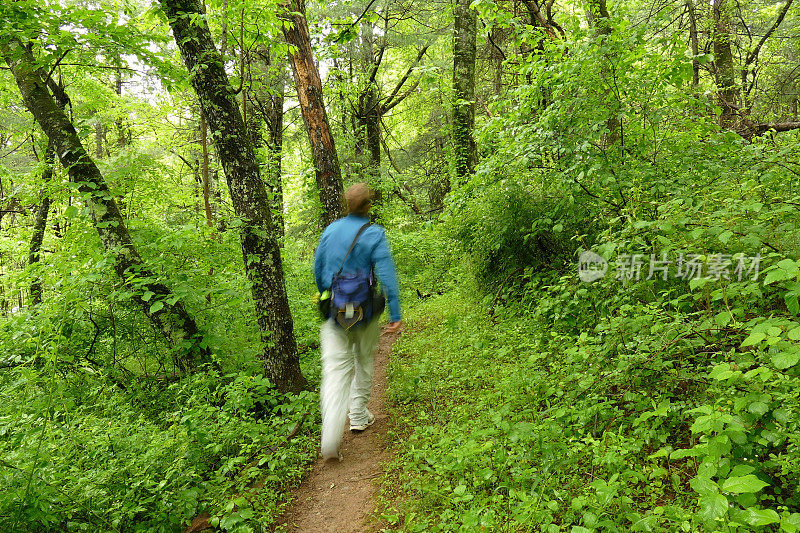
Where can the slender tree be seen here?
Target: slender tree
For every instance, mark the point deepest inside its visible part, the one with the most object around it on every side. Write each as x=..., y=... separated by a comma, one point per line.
x=724, y=73
x=371, y=106
x=40, y=221
x=601, y=20
x=694, y=42
x=234, y=148
x=734, y=88
x=265, y=93
x=464, y=49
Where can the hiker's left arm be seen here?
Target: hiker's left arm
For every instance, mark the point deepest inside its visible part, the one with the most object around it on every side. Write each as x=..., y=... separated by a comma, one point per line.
x=384, y=265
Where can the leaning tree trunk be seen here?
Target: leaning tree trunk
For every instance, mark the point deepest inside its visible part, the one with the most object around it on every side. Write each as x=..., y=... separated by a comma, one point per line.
x=154, y=298
x=464, y=28
x=258, y=236
x=309, y=93
x=40, y=222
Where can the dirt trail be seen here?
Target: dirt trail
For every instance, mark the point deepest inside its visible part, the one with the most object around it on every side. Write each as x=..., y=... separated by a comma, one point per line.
x=340, y=496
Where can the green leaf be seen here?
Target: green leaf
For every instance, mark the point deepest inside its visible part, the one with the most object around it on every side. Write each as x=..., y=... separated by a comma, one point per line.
x=792, y=302
x=754, y=338
x=697, y=282
x=156, y=307
x=147, y=295
x=723, y=318
x=721, y=371
x=784, y=360
x=725, y=236
x=786, y=269
x=762, y=517
x=741, y=484
x=713, y=506
x=791, y=523
x=794, y=334
x=703, y=486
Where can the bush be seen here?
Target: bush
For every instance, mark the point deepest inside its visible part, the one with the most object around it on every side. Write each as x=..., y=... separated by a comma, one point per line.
x=509, y=227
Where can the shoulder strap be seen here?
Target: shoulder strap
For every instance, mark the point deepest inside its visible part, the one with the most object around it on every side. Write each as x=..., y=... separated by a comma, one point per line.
x=352, y=245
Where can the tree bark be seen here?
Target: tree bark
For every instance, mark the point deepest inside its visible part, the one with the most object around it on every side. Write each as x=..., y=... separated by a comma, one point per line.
x=266, y=96
x=693, y=39
x=99, y=139
x=727, y=90
x=367, y=112
x=601, y=20
x=123, y=132
x=309, y=93
x=464, y=48
x=495, y=38
x=40, y=222
x=234, y=148
x=177, y=326
x=204, y=171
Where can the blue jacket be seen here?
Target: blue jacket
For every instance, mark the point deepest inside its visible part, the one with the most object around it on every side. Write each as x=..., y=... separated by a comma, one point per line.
x=371, y=250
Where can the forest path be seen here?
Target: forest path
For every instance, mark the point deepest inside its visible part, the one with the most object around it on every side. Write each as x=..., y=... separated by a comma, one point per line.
x=340, y=496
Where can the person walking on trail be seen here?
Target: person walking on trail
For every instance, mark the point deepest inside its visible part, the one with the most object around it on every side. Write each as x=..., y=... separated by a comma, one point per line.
x=349, y=251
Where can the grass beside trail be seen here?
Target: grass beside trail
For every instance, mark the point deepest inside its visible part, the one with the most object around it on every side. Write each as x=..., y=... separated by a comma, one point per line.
x=531, y=424
x=494, y=432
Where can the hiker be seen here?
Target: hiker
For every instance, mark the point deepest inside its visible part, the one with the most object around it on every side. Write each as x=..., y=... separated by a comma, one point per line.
x=349, y=249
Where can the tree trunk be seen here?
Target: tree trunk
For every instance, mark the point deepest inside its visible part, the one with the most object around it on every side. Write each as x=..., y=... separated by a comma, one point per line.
x=99, y=138
x=266, y=96
x=122, y=130
x=369, y=129
x=368, y=113
x=464, y=48
x=204, y=170
x=601, y=20
x=177, y=326
x=727, y=91
x=694, y=42
x=234, y=148
x=496, y=38
x=40, y=222
x=309, y=93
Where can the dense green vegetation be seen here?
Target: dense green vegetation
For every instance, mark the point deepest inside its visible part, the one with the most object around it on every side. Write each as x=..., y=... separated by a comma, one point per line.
x=661, y=136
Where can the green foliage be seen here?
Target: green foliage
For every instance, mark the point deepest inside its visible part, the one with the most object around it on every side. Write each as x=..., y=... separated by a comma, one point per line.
x=631, y=404
x=83, y=456
x=621, y=405
x=508, y=226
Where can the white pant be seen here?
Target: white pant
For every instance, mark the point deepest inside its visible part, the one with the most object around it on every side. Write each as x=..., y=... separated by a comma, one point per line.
x=347, y=369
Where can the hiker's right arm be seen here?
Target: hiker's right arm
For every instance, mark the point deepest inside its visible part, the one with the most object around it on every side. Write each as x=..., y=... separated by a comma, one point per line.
x=319, y=261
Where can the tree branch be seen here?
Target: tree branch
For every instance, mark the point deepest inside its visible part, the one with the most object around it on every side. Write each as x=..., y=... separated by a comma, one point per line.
x=389, y=104
x=376, y=64
x=401, y=97
x=752, y=56
x=361, y=16
x=762, y=128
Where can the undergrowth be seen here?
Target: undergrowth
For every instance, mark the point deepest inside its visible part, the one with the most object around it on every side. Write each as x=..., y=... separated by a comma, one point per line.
x=598, y=407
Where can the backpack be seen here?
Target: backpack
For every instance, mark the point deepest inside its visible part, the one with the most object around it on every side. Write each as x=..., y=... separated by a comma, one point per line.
x=354, y=297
